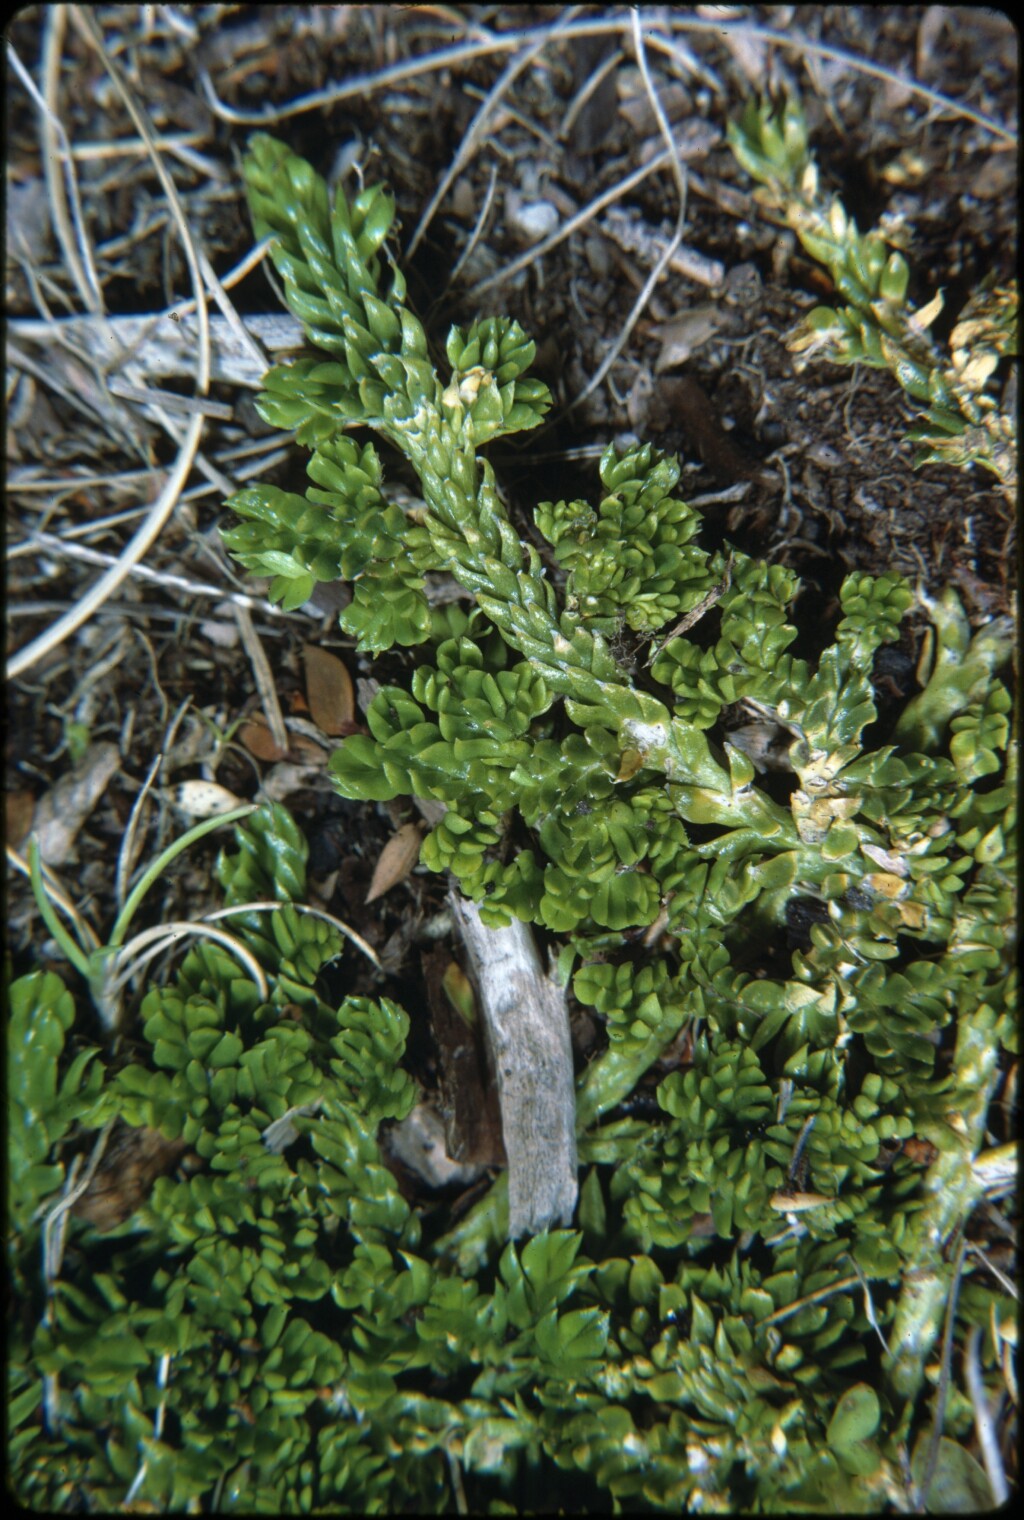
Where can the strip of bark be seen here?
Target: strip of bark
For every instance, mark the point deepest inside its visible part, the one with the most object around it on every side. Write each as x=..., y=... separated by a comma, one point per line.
x=160, y=348
x=527, y=1028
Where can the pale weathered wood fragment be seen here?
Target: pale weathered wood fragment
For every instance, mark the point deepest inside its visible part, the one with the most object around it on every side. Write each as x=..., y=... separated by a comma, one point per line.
x=160, y=348
x=527, y=1027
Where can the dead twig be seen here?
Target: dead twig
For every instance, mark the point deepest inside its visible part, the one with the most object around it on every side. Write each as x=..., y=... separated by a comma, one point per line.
x=527, y=1028
x=172, y=582
x=263, y=676
x=628, y=230
x=162, y=347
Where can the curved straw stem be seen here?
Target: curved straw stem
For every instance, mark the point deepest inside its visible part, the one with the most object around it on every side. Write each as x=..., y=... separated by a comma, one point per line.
x=165, y=503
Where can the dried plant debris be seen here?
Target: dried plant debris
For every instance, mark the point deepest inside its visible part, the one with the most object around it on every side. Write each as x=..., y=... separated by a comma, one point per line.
x=131, y=1163
x=61, y=812
x=467, y=1090
x=329, y=691
x=395, y=860
x=526, y=1025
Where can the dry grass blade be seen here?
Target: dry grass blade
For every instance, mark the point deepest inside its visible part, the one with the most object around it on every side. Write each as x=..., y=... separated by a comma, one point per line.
x=798, y=43
x=328, y=918
x=615, y=25
x=188, y=450
x=398, y=73
x=153, y=942
x=587, y=90
x=128, y=854
x=263, y=676
x=622, y=187
x=76, y=249
x=87, y=24
x=190, y=406
x=240, y=332
x=166, y=578
x=83, y=929
x=478, y=228
x=679, y=174
x=97, y=594
x=984, y=1424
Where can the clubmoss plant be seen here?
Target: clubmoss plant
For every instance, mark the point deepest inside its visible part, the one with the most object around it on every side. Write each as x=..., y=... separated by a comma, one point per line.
x=963, y=422
x=751, y=1308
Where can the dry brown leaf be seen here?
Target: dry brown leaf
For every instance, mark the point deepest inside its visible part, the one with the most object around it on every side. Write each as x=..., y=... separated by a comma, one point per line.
x=396, y=860
x=304, y=750
x=329, y=689
x=18, y=810
x=259, y=741
x=62, y=810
